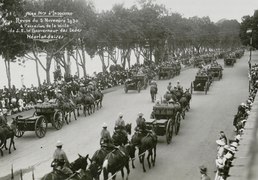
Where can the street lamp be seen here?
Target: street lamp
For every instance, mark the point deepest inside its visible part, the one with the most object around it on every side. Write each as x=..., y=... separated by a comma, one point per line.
x=250, y=31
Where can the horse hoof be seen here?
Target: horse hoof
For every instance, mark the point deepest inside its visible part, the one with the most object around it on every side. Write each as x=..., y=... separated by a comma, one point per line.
x=144, y=170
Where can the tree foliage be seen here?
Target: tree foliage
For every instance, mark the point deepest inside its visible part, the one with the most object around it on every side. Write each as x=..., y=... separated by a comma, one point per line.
x=249, y=23
x=147, y=29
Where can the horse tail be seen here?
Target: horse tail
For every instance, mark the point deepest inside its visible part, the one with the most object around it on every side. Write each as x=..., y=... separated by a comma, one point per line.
x=105, y=169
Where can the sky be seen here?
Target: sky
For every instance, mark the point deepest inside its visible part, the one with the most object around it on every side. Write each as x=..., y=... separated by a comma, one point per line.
x=215, y=9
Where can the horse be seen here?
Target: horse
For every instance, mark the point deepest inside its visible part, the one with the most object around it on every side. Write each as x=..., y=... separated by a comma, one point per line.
x=145, y=143
x=97, y=162
x=98, y=95
x=86, y=100
x=79, y=163
x=153, y=92
x=184, y=104
x=119, y=137
x=67, y=107
x=88, y=103
x=5, y=134
x=118, y=159
x=177, y=94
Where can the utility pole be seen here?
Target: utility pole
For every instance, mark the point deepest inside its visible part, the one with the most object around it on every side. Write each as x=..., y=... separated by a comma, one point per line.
x=250, y=31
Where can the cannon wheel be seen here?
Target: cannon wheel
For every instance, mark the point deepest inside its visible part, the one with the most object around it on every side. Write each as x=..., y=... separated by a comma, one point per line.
x=18, y=133
x=139, y=87
x=169, y=131
x=41, y=126
x=206, y=87
x=177, y=123
x=126, y=89
x=57, y=120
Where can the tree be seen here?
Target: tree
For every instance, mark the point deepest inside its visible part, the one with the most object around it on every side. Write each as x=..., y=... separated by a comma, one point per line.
x=229, y=34
x=249, y=23
x=12, y=44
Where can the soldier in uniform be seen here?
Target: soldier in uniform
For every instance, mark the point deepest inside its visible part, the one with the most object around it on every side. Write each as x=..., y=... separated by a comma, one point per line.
x=105, y=139
x=140, y=123
x=120, y=124
x=61, y=160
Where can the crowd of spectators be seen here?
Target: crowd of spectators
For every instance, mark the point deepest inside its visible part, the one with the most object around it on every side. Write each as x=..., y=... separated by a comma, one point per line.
x=227, y=148
x=18, y=99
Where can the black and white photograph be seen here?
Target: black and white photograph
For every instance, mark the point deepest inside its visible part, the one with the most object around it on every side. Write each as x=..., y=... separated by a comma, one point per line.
x=128, y=89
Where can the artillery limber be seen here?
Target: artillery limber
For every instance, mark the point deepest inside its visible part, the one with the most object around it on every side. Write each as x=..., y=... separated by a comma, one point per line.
x=167, y=72
x=44, y=114
x=202, y=82
x=229, y=61
x=136, y=82
x=216, y=71
x=165, y=118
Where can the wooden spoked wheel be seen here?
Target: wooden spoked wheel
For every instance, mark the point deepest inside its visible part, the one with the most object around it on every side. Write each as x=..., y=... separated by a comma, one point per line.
x=41, y=126
x=169, y=131
x=57, y=120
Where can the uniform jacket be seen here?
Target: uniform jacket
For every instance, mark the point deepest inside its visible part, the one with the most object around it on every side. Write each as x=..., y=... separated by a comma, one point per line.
x=59, y=154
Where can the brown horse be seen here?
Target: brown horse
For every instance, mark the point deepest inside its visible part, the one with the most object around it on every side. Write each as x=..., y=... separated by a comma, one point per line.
x=145, y=143
x=118, y=159
x=79, y=164
x=5, y=134
x=86, y=100
x=67, y=107
x=119, y=137
x=98, y=96
x=97, y=162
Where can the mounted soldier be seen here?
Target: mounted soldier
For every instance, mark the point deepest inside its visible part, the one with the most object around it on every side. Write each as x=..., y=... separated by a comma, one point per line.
x=60, y=160
x=120, y=125
x=141, y=124
x=105, y=139
x=120, y=135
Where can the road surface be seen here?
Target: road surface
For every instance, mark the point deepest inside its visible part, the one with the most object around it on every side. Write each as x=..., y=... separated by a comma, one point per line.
x=195, y=145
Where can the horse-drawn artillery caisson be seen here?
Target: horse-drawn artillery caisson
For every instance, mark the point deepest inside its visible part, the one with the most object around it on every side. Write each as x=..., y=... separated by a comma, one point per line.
x=202, y=82
x=216, y=71
x=38, y=122
x=136, y=82
x=229, y=61
x=167, y=118
x=166, y=72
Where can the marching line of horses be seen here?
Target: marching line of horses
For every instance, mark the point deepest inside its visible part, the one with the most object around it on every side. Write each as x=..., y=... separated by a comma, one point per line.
x=108, y=160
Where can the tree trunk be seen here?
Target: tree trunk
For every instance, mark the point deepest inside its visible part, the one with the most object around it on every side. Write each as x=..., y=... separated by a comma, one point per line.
x=48, y=66
x=123, y=58
x=150, y=58
x=77, y=64
x=68, y=70
x=137, y=55
x=102, y=58
x=37, y=72
x=128, y=58
x=83, y=62
x=8, y=70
